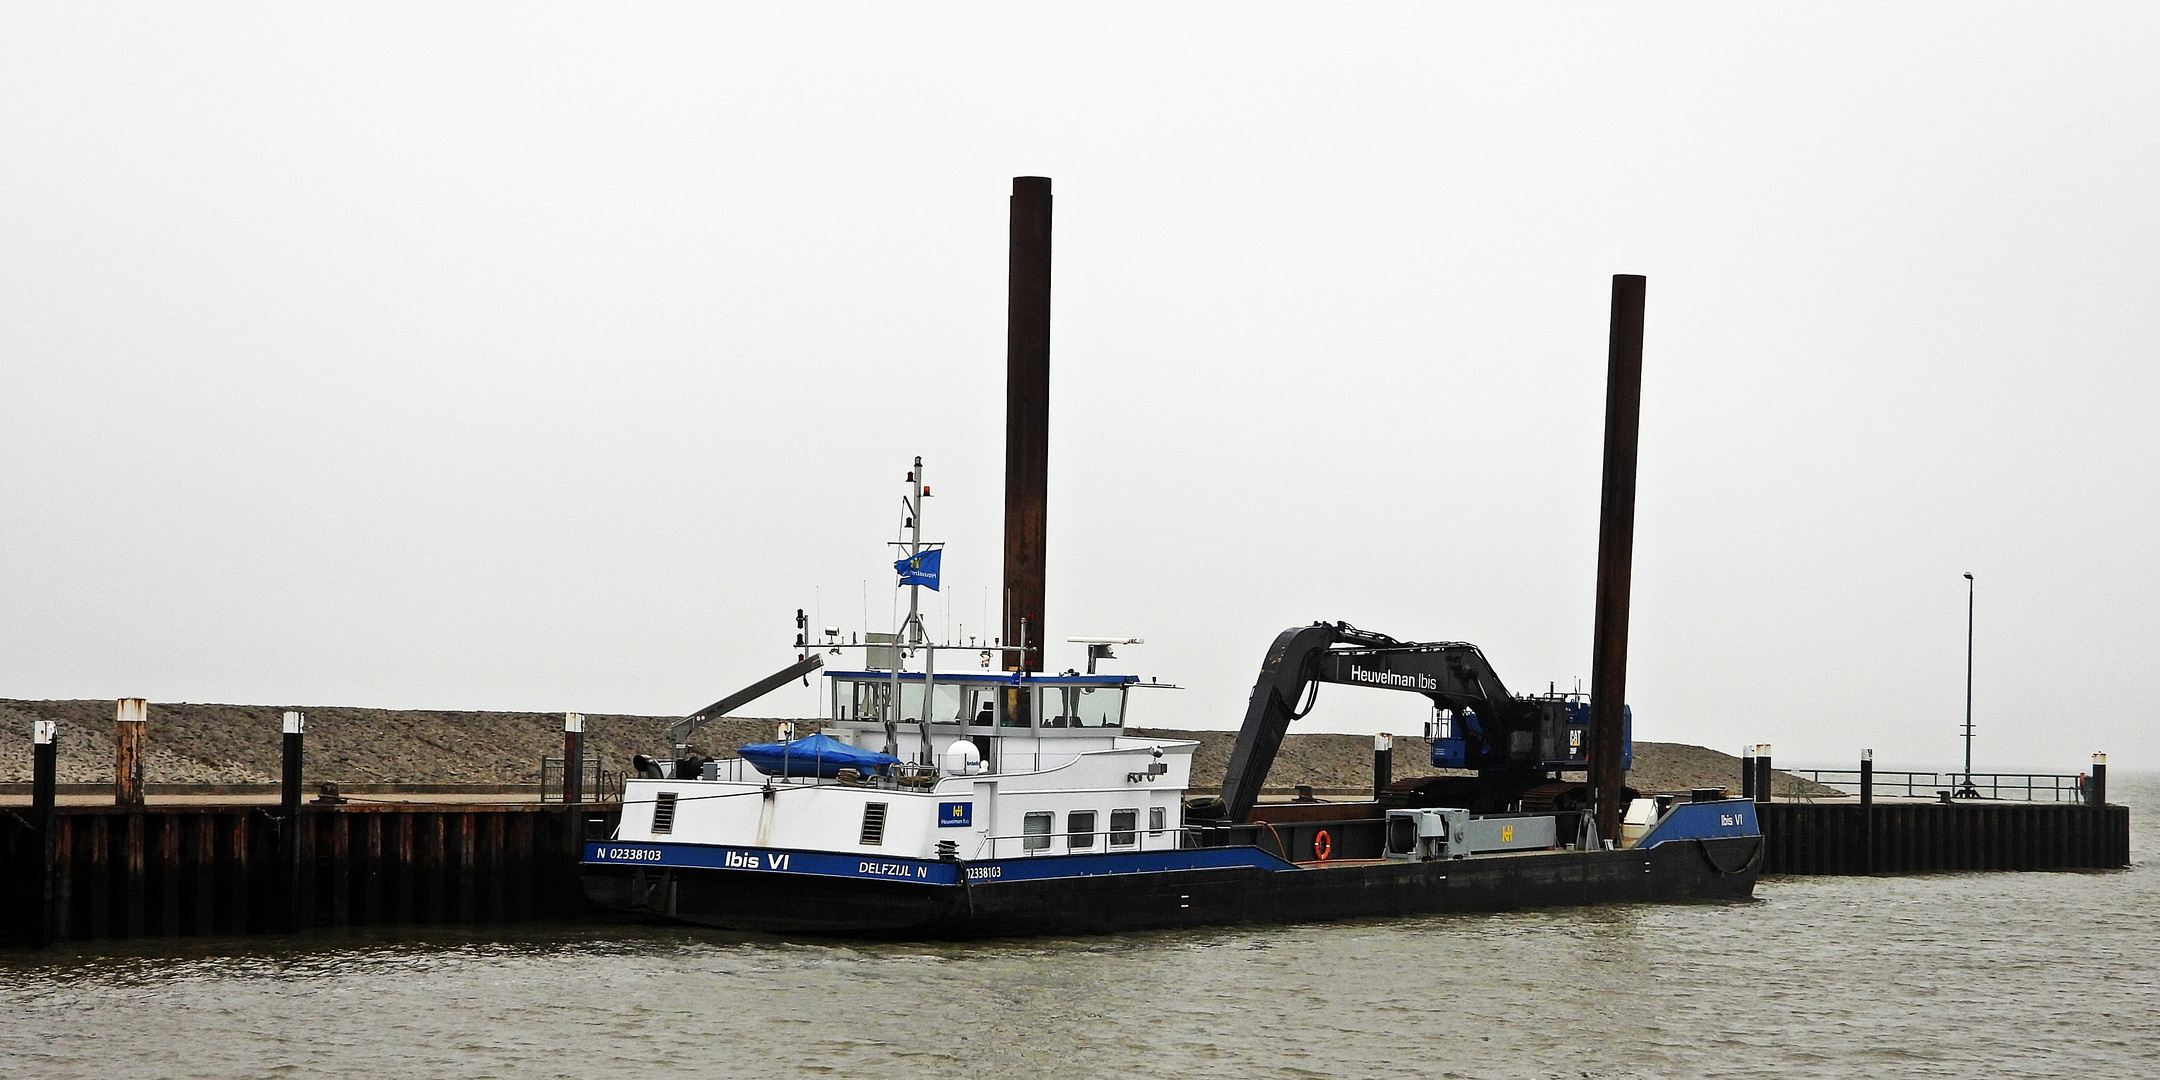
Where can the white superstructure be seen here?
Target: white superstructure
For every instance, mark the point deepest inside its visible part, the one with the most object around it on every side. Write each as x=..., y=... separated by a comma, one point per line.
x=1017, y=766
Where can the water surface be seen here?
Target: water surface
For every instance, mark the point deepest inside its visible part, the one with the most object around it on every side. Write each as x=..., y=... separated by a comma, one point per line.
x=1963, y=975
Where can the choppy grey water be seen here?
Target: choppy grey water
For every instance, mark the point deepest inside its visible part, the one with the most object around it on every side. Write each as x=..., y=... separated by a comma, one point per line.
x=1949, y=975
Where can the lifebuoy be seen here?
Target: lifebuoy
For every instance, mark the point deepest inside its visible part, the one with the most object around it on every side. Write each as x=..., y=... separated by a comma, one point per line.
x=1322, y=846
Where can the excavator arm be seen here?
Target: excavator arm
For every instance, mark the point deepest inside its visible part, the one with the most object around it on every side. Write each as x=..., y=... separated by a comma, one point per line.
x=1452, y=674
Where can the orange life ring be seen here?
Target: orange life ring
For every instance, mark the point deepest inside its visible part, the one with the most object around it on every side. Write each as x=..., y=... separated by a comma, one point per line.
x=1322, y=846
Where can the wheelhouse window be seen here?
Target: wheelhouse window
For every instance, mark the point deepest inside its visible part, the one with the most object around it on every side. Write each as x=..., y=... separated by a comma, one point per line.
x=862, y=700
x=1083, y=706
x=947, y=704
x=1056, y=706
x=1035, y=831
x=1080, y=829
x=1097, y=706
x=911, y=702
x=1157, y=820
x=1124, y=828
x=1019, y=710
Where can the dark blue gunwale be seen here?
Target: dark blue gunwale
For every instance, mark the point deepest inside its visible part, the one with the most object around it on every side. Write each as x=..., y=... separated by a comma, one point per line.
x=922, y=871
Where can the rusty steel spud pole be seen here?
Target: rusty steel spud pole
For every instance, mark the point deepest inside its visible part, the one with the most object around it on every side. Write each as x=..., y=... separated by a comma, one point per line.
x=1616, y=550
x=1027, y=421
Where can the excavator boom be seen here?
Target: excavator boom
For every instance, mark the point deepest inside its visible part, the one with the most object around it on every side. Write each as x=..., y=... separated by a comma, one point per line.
x=1484, y=728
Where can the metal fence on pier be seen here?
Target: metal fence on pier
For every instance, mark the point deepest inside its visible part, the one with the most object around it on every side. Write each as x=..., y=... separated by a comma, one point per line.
x=2018, y=787
x=600, y=785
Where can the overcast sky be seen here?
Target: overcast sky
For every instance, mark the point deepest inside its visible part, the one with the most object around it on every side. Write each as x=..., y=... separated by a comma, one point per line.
x=531, y=357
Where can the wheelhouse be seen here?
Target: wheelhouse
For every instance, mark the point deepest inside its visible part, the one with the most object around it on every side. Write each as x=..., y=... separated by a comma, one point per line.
x=1000, y=704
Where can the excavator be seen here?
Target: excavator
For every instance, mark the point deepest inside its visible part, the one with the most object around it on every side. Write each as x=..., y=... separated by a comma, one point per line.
x=1510, y=751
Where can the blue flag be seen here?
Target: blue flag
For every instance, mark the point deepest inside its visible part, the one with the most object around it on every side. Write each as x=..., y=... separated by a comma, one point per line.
x=920, y=569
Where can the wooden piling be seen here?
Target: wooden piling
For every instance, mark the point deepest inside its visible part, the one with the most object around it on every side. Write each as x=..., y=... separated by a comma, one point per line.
x=131, y=716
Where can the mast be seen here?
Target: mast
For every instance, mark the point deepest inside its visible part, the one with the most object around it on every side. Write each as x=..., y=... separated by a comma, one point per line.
x=912, y=630
x=912, y=634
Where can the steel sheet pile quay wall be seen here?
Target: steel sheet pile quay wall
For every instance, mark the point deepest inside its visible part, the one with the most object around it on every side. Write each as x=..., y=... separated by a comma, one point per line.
x=1910, y=838
x=171, y=871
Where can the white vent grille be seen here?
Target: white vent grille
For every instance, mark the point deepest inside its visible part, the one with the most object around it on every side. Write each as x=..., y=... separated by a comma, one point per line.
x=873, y=824
x=663, y=813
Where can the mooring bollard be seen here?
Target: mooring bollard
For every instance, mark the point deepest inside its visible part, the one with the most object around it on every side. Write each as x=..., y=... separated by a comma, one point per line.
x=1747, y=772
x=573, y=757
x=1867, y=811
x=128, y=722
x=45, y=818
x=1762, y=773
x=1383, y=763
x=2098, y=787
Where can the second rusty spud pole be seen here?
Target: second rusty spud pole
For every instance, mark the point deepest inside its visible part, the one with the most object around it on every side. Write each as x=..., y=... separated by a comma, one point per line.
x=1616, y=552
x=1027, y=422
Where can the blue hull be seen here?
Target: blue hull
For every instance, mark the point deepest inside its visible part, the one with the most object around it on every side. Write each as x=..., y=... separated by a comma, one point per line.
x=820, y=892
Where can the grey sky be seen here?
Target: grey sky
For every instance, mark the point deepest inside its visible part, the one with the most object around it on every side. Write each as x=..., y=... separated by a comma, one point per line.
x=550, y=358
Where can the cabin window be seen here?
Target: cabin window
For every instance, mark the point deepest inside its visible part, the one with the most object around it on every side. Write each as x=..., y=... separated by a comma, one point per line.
x=1097, y=706
x=1157, y=819
x=947, y=704
x=663, y=812
x=981, y=707
x=1124, y=828
x=1442, y=724
x=1080, y=829
x=869, y=703
x=911, y=702
x=1057, y=707
x=1019, y=708
x=1035, y=831
x=873, y=824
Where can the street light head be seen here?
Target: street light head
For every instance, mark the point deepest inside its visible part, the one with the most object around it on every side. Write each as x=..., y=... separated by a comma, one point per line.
x=1968, y=577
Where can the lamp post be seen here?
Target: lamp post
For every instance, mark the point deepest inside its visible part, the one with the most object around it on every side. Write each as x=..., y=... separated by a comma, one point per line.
x=1968, y=791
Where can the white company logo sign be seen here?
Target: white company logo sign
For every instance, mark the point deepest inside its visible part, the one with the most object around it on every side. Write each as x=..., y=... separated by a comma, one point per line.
x=1414, y=681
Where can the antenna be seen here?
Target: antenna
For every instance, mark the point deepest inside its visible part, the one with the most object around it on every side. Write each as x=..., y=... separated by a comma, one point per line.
x=1098, y=648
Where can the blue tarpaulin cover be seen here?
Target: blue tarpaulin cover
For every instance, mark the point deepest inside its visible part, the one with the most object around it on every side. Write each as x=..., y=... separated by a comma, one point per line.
x=814, y=755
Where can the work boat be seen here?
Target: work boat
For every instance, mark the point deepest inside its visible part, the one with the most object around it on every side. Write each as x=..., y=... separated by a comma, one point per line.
x=955, y=804
x=979, y=802
x=1032, y=785
x=1040, y=815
